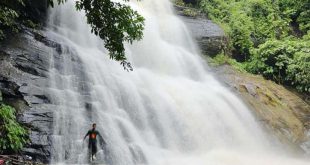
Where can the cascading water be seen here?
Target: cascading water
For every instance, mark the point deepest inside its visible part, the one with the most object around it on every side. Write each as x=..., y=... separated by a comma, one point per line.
x=168, y=111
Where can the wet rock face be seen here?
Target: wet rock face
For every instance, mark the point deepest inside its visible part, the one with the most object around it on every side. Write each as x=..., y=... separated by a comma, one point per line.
x=25, y=61
x=284, y=113
x=210, y=37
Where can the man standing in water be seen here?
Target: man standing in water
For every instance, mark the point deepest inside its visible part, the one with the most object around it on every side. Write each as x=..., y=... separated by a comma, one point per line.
x=92, y=143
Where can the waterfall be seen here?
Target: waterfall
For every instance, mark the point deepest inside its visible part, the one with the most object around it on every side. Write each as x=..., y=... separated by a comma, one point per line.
x=169, y=111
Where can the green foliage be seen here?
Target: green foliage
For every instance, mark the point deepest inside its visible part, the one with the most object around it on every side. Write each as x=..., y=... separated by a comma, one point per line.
x=299, y=71
x=270, y=36
x=222, y=59
x=299, y=12
x=286, y=61
x=114, y=23
x=240, y=37
x=13, y=15
x=179, y=2
x=8, y=17
x=13, y=136
x=190, y=12
x=304, y=19
x=248, y=23
x=218, y=10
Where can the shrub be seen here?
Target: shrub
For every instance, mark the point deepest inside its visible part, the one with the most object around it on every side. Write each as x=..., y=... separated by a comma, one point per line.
x=179, y=2
x=298, y=72
x=7, y=21
x=190, y=12
x=13, y=135
x=285, y=61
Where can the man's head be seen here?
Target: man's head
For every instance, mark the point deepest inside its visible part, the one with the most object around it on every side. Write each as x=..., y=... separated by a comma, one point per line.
x=94, y=126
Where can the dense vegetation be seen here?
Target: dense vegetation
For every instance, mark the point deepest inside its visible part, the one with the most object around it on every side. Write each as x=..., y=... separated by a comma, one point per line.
x=12, y=135
x=269, y=37
x=114, y=22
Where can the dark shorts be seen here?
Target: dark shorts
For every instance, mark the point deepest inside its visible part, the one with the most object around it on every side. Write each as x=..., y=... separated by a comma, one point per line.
x=92, y=146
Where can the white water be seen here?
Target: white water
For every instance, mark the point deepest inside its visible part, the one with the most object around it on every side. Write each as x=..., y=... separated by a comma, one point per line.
x=168, y=111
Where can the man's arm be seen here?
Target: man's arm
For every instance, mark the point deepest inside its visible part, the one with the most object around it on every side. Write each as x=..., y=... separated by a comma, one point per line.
x=102, y=140
x=86, y=135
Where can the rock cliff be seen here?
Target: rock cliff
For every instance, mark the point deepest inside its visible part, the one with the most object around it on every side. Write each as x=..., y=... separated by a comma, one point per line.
x=24, y=65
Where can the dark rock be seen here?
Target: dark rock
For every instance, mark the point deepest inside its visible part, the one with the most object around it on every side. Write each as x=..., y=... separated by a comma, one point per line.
x=1, y=99
x=37, y=154
x=194, y=2
x=24, y=65
x=9, y=88
x=36, y=10
x=39, y=118
x=47, y=42
x=210, y=37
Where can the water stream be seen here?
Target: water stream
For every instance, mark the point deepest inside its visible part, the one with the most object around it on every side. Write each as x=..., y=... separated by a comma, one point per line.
x=169, y=111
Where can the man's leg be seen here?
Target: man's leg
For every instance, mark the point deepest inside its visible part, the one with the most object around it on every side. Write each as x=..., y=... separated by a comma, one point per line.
x=94, y=150
x=90, y=153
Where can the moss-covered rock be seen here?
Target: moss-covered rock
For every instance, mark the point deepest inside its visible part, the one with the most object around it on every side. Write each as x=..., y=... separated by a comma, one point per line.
x=282, y=111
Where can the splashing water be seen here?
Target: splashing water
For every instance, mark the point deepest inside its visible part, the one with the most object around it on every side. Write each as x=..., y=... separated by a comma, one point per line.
x=168, y=111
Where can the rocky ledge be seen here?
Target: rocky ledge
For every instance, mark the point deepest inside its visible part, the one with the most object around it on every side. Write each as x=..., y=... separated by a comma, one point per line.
x=210, y=37
x=283, y=112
